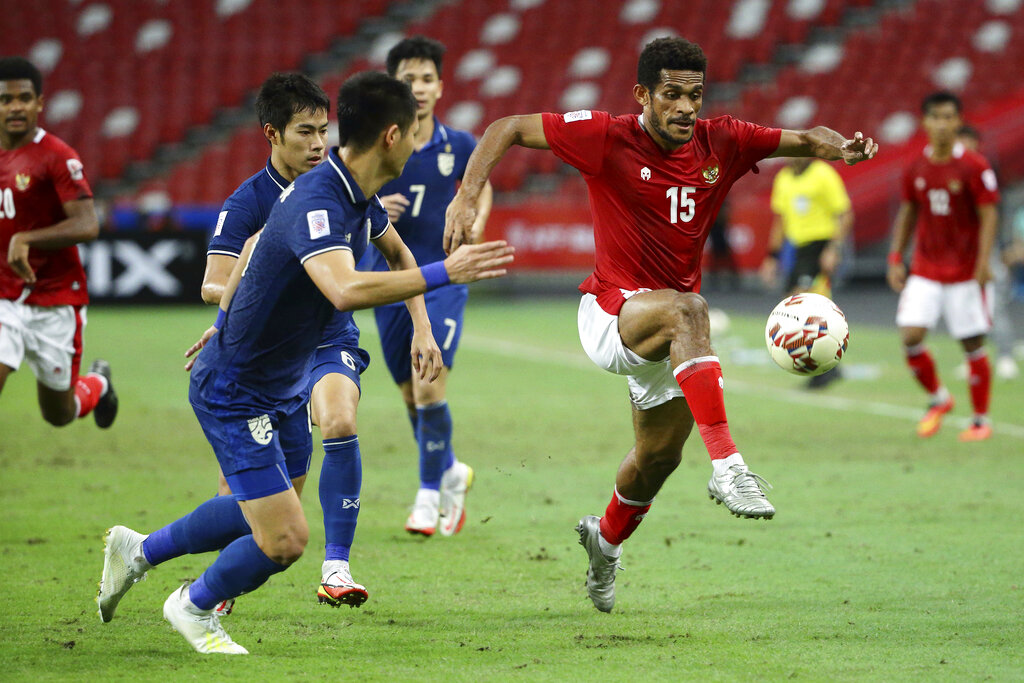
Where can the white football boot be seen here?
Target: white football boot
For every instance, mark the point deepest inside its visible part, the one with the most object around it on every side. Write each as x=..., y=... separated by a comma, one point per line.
x=455, y=484
x=337, y=587
x=201, y=628
x=425, y=511
x=124, y=565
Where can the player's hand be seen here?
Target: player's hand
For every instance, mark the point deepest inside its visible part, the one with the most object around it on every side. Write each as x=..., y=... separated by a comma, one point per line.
x=983, y=273
x=458, y=223
x=472, y=262
x=896, y=276
x=195, y=348
x=858, y=149
x=17, y=258
x=426, y=357
x=396, y=204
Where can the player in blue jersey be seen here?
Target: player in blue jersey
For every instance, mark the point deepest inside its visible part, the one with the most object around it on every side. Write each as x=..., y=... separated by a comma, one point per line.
x=416, y=203
x=293, y=112
x=249, y=386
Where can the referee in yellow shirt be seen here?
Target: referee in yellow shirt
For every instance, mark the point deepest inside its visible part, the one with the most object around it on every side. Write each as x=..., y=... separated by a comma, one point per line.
x=812, y=211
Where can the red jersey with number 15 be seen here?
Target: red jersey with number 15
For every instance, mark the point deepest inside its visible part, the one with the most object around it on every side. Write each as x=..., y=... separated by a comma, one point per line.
x=36, y=180
x=653, y=209
x=947, y=196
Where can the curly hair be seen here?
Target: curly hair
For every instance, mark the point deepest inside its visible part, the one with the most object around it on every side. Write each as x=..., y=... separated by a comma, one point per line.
x=668, y=53
x=19, y=68
x=416, y=47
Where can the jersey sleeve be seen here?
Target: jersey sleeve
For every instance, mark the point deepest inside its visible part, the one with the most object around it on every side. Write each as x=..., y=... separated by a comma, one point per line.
x=753, y=142
x=236, y=223
x=578, y=138
x=379, y=221
x=320, y=227
x=68, y=175
x=983, y=183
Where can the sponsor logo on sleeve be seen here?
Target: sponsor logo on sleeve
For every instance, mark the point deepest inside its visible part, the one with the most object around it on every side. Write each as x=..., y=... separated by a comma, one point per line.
x=261, y=429
x=220, y=223
x=318, y=224
x=75, y=169
x=988, y=177
x=580, y=115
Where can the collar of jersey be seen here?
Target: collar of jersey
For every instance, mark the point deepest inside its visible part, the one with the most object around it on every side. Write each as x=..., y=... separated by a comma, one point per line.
x=355, y=194
x=275, y=176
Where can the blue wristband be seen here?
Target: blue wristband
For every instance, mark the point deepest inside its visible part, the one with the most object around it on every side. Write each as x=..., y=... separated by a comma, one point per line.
x=435, y=274
x=221, y=314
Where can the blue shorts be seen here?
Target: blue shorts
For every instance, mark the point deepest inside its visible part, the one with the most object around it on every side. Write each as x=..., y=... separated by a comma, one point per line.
x=445, y=307
x=256, y=442
x=343, y=360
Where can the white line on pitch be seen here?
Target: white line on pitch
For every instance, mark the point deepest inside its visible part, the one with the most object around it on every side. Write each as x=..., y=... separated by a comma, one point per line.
x=511, y=349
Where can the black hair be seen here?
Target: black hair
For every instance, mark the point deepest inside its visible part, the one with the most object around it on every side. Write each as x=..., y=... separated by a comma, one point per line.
x=370, y=102
x=941, y=97
x=968, y=131
x=677, y=54
x=416, y=47
x=284, y=95
x=19, y=68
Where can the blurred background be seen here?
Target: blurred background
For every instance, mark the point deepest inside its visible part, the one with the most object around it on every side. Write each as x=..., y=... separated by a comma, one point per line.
x=156, y=96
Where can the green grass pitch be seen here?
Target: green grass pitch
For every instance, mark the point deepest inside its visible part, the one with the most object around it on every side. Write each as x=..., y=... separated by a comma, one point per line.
x=890, y=558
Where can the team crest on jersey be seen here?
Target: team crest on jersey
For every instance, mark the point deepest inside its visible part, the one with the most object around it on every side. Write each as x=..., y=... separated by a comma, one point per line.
x=955, y=186
x=710, y=173
x=22, y=181
x=445, y=163
x=645, y=173
x=919, y=183
x=261, y=429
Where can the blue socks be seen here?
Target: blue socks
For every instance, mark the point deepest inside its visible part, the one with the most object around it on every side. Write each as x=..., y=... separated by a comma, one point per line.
x=240, y=568
x=341, y=479
x=434, y=436
x=211, y=526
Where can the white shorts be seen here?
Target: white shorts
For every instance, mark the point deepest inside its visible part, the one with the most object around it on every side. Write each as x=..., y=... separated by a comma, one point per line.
x=966, y=308
x=48, y=338
x=651, y=383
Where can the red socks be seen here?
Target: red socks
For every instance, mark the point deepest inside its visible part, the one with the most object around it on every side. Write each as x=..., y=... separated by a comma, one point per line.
x=702, y=384
x=622, y=517
x=923, y=367
x=88, y=390
x=980, y=380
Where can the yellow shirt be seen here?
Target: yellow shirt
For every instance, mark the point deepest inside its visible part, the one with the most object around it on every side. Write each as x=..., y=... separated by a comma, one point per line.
x=810, y=203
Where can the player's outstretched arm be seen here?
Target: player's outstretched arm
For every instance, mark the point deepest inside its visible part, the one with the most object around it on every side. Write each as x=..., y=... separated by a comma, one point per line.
x=335, y=275
x=526, y=131
x=81, y=225
x=896, y=274
x=426, y=356
x=825, y=143
x=988, y=222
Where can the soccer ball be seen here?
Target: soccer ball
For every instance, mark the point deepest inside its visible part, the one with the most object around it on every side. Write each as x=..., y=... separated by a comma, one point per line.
x=807, y=334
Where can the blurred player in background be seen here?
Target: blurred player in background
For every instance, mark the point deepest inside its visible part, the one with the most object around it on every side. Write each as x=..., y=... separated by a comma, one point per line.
x=812, y=212
x=46, y=210
x=949, y=205
x=656, y=182
x=249, y=386
x=1001, y=260
x=416, y=203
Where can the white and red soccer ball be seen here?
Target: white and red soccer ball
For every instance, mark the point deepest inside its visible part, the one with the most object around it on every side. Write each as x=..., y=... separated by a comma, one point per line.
x=807, y=334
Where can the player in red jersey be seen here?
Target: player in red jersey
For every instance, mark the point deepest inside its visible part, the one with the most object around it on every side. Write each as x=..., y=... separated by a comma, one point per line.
x=656, y=182
x=950, y=193
x=46, y=209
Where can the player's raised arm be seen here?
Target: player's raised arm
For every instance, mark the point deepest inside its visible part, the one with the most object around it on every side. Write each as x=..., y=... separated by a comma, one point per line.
x=525, y=131
x=81, y=225
x=825, y=143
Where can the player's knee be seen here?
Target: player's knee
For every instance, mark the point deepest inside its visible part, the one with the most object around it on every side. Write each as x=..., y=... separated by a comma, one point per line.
x=59, y=418
x=690, y=311
x=337, y=424
x=287, y=548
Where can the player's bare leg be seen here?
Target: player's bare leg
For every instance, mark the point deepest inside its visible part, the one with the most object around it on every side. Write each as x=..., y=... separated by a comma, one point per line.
x=922, y=365
x=980, y=384
x=675, y=324
x=4, y=371
x=58, y=407
x=89, y=393
x=333, y=407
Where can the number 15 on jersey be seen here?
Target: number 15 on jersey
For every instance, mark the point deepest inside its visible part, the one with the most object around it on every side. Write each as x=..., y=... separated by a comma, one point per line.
x=682, y=204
